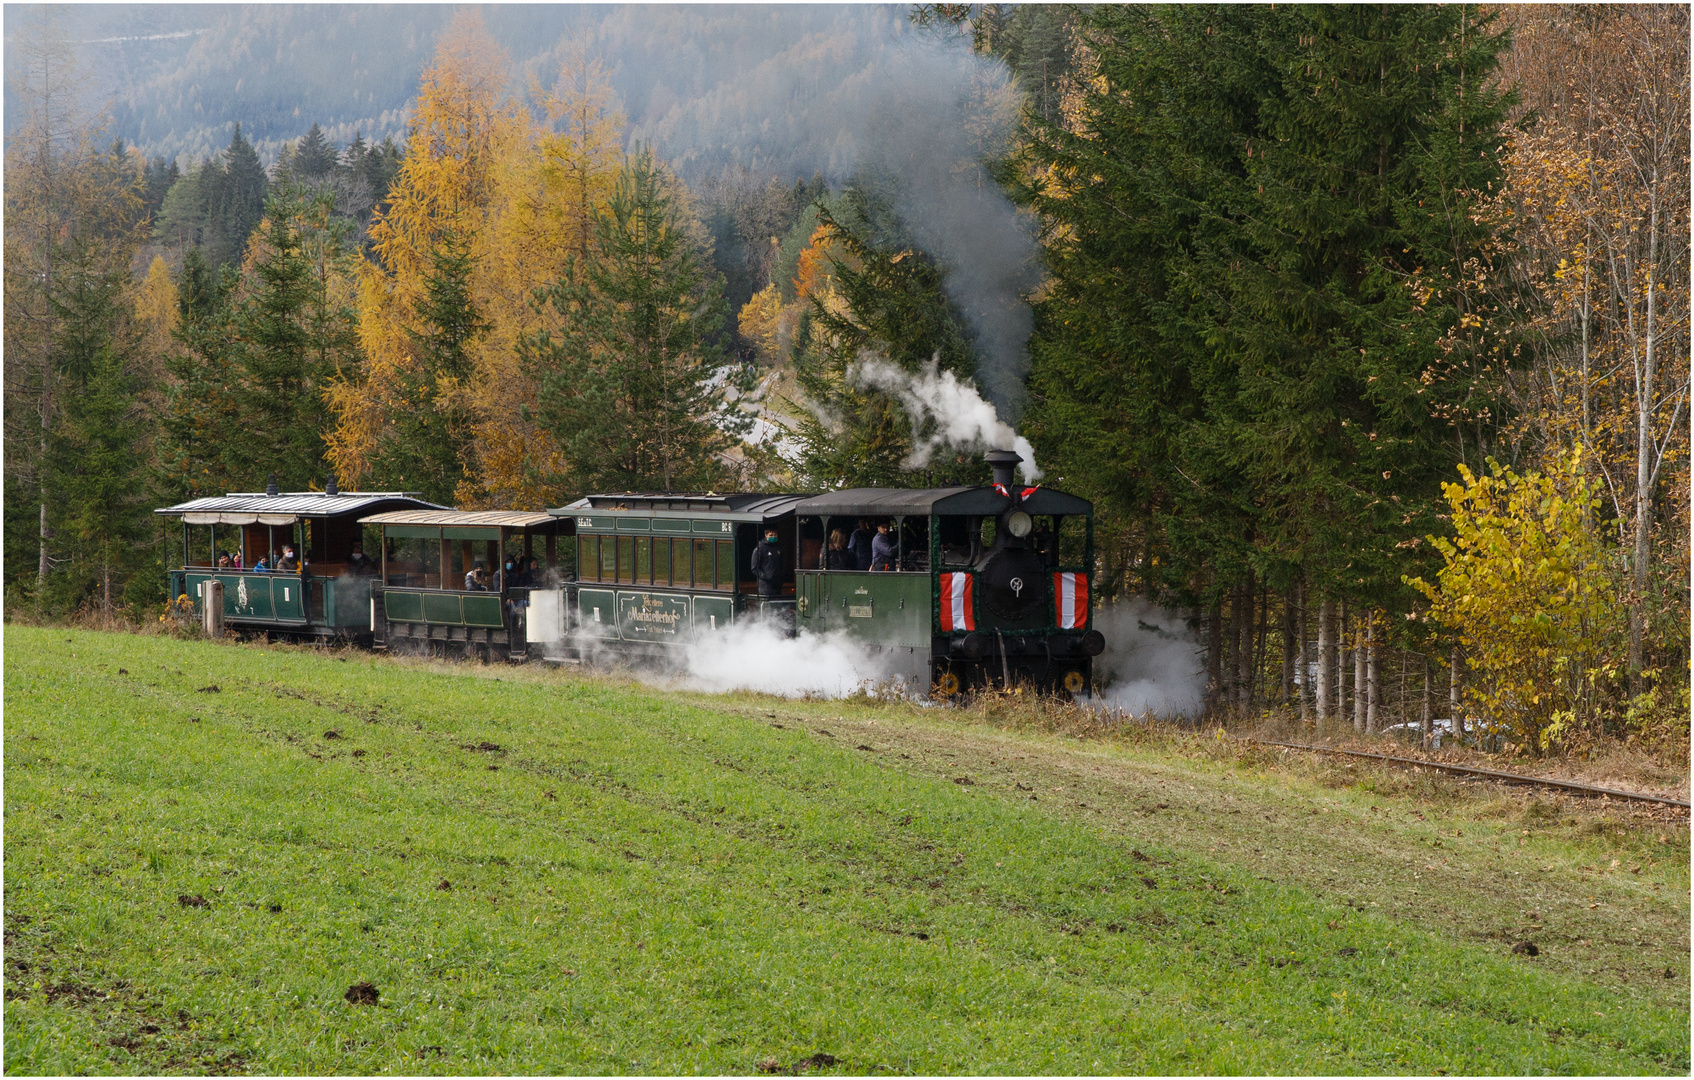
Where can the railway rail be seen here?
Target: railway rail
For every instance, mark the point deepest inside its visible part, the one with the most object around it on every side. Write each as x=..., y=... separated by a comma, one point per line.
x=1491, y=774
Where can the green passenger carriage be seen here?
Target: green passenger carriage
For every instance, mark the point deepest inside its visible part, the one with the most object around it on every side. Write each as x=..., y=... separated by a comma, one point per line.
x=423, y=602
x=655, y=570
x=326, y=597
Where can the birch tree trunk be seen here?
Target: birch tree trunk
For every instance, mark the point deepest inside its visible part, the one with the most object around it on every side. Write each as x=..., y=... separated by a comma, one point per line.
x=1326, y=658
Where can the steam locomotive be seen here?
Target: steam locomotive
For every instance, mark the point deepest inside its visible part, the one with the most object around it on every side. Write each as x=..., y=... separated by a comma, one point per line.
x=987, y=586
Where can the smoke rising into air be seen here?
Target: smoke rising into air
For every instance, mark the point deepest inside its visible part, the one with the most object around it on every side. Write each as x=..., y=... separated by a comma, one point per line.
x=960, y=417
x=1152, y=663
x=912, y=116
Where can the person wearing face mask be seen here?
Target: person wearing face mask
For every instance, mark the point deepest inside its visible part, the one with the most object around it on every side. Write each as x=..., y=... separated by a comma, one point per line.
x=767, y=566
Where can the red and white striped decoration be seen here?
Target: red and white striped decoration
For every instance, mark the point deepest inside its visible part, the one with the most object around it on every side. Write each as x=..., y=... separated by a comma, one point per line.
x=957, y=611
x=1070, y=596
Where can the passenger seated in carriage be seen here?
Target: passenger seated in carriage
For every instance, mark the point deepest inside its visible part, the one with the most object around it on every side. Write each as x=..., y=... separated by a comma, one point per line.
x=360, y=563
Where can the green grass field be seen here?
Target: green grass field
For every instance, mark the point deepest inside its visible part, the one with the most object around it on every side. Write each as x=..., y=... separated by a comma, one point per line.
x=543, y=872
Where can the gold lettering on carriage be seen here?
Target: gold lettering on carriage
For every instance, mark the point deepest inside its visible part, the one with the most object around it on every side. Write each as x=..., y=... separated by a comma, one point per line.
x=647, y=615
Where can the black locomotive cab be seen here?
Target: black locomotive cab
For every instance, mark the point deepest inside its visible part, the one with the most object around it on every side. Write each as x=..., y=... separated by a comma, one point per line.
x=969, y=587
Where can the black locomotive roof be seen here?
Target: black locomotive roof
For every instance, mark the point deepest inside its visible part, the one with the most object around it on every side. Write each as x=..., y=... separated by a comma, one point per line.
x=909, y=502
x=259, y=508
x=742, y=506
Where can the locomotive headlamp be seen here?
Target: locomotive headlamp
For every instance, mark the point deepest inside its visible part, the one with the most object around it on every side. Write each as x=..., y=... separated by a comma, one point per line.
x=1019, y=523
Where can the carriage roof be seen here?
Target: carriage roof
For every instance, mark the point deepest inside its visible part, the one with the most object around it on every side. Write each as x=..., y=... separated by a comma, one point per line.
x=285, y=508
x=738, y=506
x=921, y=502
x=508, y=519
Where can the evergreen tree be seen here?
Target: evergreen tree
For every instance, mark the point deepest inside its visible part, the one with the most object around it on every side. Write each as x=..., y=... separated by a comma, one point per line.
x=315, y=157
x=96, y=459
x=292, y=337
x=427, y=448
x=232, y=199
x=203, y=446
x=1235, y=346
x=887, y=300
x=158, y=179
x=632, y=387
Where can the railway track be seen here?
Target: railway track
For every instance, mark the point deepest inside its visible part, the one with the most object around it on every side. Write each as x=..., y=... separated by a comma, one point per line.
x=1491, y=774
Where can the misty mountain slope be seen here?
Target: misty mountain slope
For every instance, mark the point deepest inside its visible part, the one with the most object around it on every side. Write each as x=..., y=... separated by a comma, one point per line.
x=179, y=77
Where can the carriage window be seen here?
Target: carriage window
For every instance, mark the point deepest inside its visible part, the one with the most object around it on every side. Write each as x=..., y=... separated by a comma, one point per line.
x=1072, y=541
x=626, y=559
x=812, y=544
x=955, y=541
x=412, y=561
x=661, y=560
x=643, y=559
x=608, y=558
x=703, y=564
x=680, y=564
x=588, y=558
x=726, y=564
x=914, y=543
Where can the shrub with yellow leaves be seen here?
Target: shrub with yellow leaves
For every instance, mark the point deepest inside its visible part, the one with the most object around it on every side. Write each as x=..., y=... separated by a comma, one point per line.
x=1531, y=593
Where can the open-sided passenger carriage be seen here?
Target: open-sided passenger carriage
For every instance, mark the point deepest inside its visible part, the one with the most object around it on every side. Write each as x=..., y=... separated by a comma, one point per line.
x=324, y=598
x=422, y=601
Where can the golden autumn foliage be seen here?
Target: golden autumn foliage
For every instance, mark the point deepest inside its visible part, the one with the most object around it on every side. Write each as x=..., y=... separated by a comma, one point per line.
x=760, y=321
x=1532, y=595
x=156, y=310
x=516, y=190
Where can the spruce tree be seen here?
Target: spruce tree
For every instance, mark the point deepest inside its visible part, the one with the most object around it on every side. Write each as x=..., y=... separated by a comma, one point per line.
x=292, y=336
x=1232, y=348
x=203, y=446
x=428, y=448
x=887, y=301
x=315, y=157
x=633, y=386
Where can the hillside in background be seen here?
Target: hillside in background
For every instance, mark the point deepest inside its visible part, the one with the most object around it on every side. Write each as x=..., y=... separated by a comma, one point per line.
x=179, y=77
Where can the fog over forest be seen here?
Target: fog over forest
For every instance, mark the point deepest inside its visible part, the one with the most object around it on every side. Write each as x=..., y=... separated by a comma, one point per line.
x=772, y=91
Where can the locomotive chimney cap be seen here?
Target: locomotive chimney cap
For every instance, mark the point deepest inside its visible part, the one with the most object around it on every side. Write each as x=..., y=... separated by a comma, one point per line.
x=1003, y=462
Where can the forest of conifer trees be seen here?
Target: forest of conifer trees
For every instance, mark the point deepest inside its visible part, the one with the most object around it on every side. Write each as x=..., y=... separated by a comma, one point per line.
x=1365, y=329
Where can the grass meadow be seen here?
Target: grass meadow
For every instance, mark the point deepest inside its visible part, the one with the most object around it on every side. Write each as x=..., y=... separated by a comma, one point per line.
x=230, y=858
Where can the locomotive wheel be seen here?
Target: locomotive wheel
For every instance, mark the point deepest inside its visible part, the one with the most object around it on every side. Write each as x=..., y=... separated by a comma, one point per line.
x=947, y=684
x=1074, y=682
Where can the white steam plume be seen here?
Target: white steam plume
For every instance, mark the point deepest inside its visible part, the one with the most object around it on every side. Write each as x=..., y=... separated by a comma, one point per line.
x=758, y=655
x=1152, y=663
x=961, y=418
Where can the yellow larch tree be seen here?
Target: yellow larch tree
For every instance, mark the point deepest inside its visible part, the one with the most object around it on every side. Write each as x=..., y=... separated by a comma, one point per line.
x=495, y=194
x=545, y=196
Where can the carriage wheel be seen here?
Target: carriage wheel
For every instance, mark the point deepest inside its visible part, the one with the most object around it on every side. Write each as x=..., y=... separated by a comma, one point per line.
x=947, y=684
x=1074, y=682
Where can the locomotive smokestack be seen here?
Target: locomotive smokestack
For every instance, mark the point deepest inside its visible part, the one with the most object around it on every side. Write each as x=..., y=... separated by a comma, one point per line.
x=1003, y=462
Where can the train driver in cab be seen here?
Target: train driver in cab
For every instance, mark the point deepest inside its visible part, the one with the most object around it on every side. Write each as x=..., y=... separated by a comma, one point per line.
x=885, y=550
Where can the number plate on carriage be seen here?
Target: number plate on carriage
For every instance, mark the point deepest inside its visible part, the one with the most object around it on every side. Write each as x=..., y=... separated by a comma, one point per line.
x=858, y=611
